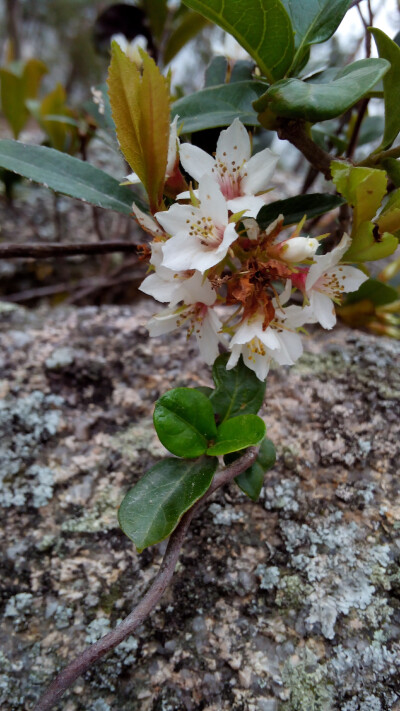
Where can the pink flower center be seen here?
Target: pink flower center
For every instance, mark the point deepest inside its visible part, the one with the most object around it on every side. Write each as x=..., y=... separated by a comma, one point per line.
x=229, y=176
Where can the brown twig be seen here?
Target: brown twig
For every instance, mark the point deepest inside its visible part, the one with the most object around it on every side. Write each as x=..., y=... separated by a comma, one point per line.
x=295, y=132
x=97, y=650
x=53, y=249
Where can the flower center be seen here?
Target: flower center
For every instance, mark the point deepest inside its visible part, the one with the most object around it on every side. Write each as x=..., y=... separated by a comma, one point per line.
x=229, y=176
x=205, y=230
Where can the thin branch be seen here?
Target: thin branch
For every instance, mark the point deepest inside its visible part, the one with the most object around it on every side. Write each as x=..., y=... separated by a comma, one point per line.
x=362, y=107
x=376, y=158
x=295, y=132
x=96, y=651
x=54, y=249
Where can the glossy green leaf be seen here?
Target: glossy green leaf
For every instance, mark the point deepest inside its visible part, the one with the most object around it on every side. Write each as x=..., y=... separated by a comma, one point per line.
x=238, y=433
x=184, y=421
x=237, y=391
x=294, y=209
x=363, y=188
x=367, y=247
x=375, y=291
x=67, y=175
x=189, y=27
x=391, y=85
x=313, y=21
x=262, y=27
x=219, y=106
x=251, y=480
x=153, y=508
x=293, y=98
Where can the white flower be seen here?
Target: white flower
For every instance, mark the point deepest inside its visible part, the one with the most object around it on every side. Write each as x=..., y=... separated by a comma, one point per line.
x=173, y=150
x=195, y=313
x=201, y=236
x=131, y=49
x=279, y=342
x=327, y=281
x=167, y=285
x=239, y=176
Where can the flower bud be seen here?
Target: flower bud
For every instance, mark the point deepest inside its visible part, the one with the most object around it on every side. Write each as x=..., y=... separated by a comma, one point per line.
x=296, y=249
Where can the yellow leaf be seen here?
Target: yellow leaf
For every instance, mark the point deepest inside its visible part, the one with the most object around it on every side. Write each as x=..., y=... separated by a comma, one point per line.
x=363, y=188
x=140, y=104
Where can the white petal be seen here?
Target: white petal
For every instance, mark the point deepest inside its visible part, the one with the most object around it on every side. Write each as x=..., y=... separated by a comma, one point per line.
x=260, y=170
x=196, y=289
x=212, y=202
x=230, y=236
x=176, y=218
x=165, y=322
x=326, y=261
x=290, y=350
x=234, y=357
x=159, y=288
x=234, y=144
x=323, y=309
x=251, y=203
x=257, y=362
x=207, y=337
x=182, y=252
x=350, y=278
x=195, y=161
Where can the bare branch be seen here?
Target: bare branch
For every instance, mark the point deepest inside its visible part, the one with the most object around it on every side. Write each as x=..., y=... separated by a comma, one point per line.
x=96, y=651
x=54, y=249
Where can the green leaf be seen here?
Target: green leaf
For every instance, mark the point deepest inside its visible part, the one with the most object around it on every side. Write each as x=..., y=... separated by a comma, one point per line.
x=363, y=188
x=216, y=72
x=184, y=421
x=375, y=291
x=153, y=508
x=391, y=86
x=67, y=175
x=189, y=27
x=237, y=392
x=365, y=247
x=388, y=219
x=262, y=27
x=251, y=480
x=392, y=167
x=19, y=82
x=238, y=433
x=242, y=70
x=294, y=209
x=293, y=98
x=157, y=13
x=219, y=106
x=313, y=21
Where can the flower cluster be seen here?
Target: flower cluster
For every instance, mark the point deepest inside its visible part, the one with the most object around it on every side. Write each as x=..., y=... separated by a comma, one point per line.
x=226, y=280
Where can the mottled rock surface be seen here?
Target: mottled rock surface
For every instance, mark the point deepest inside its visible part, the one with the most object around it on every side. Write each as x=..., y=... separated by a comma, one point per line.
x=290, y=604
